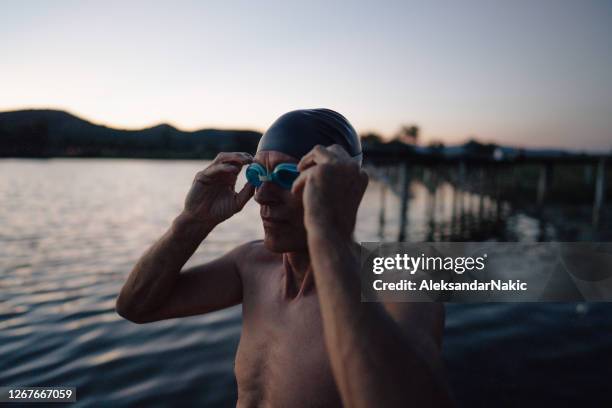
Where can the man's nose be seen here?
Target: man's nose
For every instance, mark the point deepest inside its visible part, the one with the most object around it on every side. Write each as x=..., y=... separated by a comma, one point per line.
x=268, y=193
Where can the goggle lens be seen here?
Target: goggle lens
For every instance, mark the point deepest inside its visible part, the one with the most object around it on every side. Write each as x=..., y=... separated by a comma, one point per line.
x=253, y=172
x=284, y=174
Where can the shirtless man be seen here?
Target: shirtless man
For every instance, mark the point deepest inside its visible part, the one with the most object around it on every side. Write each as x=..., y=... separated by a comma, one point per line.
x=307, y=339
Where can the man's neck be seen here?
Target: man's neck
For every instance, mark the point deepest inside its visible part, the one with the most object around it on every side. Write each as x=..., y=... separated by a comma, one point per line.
x=299, y=279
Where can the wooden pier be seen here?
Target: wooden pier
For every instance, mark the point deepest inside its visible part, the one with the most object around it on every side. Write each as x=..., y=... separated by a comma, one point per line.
x=487, y=188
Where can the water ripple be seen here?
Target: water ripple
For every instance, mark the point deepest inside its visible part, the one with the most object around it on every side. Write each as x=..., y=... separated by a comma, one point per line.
x=67, y=245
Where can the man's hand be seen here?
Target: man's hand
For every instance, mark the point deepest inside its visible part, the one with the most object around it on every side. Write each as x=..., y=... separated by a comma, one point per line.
x=212, y=198
x=332, y=185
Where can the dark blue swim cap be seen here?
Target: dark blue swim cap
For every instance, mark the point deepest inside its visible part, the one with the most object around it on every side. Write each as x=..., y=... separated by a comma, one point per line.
x=295, y=133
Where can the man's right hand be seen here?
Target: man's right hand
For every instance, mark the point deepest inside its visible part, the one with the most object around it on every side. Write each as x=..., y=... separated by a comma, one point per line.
x=212, y=198
x=156, y=288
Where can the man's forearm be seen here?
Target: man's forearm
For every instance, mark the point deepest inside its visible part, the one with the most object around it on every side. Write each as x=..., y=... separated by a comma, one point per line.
x=155, y=274
x=374, y=362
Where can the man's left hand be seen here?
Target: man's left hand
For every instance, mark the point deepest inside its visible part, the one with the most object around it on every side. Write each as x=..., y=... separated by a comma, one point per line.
x=332, y=185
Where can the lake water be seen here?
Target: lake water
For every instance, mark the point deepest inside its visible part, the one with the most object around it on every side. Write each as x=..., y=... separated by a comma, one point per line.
x=71, y=230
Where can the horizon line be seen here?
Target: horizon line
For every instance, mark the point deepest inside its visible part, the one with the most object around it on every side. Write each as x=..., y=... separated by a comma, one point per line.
x=385, y=138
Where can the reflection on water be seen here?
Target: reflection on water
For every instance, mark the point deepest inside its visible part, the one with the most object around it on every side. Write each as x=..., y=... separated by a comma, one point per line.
x=70, y=231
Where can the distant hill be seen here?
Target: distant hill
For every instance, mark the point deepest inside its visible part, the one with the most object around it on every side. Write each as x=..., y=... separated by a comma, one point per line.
x=54, y=133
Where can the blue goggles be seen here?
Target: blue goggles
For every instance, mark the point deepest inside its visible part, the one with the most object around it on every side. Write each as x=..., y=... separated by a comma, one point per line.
x=284, y=174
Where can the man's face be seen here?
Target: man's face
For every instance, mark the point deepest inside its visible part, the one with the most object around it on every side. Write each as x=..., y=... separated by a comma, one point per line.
x=282, y=212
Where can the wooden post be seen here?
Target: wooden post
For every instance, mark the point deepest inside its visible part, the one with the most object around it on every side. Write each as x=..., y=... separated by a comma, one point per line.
x=588, y=174
x=404, y=197
x=381, y=214
x=515, y=179
x=431, y=187
x=432, y=193
x=461, y=186
x=498, y=193
x=455, y=199
x=541, y=186
x=600, y=191
x=543, y=183
x=481, y=194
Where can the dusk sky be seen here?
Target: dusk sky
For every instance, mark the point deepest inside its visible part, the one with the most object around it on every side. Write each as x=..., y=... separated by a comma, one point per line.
x=532, y=73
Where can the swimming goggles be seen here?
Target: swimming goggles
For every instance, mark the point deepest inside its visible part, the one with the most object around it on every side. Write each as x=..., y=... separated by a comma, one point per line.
x=284, y=174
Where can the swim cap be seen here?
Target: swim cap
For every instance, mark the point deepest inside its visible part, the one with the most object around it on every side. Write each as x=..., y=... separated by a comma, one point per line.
x=297, y=132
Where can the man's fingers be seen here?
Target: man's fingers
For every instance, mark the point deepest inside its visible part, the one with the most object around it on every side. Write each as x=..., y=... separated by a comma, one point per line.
x=317, y=155
x=222, y=168
x=244, y=195
x=221, y=172
x=239, y=158
x=299, y=183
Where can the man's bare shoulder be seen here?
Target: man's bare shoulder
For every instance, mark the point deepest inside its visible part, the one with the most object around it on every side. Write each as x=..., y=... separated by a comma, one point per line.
x=252, y=256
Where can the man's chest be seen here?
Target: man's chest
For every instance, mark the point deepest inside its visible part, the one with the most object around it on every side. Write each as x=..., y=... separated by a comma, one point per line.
x=282, y=359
